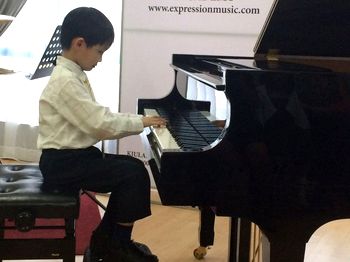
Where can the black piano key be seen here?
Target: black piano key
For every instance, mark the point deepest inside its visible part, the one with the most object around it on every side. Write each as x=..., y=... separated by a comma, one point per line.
x=208, y=130
x=184, y=130
x=180, y=124
x=192, y=148
x=190, y=128
x=209, y=140
x=210, y=137
x=191, y=143
x=189, y=136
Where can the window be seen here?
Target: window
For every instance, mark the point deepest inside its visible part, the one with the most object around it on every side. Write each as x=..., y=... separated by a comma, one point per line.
x=23, y=43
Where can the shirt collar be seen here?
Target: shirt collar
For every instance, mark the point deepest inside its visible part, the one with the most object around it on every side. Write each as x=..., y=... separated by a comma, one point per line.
x=76, y=69
x=71, y=66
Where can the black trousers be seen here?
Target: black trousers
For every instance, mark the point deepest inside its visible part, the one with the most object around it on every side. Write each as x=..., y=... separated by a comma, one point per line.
x=125, y=177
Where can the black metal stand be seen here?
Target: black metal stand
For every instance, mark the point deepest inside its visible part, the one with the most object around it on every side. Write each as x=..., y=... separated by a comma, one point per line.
x=48, y=59
x=93, y=198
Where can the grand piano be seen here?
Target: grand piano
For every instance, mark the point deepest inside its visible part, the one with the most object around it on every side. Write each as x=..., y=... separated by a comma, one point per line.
x=281, y=158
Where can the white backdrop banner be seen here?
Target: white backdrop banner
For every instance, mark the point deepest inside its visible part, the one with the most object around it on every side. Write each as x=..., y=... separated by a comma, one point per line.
x=225, y=16
x=153, y=30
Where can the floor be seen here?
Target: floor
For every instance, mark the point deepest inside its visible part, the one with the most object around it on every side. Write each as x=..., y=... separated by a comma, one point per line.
x=171, y=233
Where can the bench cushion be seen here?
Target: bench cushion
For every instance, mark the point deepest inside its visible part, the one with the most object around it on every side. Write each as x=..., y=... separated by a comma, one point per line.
x=20, y=190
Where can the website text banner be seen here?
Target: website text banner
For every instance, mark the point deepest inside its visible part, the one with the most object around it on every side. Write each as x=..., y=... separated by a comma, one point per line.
x=220, y=16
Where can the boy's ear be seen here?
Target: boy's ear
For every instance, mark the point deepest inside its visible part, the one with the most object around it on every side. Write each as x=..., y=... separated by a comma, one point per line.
x=78, y=42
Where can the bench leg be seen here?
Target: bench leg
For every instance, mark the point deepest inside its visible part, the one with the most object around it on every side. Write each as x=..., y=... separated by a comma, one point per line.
x=2, y=230
x=69, y=252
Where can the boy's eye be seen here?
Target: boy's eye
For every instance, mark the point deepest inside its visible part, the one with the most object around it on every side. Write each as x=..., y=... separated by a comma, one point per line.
x=99, y=51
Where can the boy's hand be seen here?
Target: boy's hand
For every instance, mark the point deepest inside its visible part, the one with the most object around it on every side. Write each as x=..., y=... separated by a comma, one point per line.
x=153, y=121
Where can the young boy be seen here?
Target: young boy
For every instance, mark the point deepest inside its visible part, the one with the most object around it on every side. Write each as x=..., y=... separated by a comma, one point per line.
x=71, y=122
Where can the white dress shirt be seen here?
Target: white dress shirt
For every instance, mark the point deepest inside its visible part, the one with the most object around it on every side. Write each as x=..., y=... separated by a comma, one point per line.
x=69, y=116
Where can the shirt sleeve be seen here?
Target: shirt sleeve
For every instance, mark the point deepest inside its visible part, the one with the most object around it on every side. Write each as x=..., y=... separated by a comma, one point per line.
x=76, y=105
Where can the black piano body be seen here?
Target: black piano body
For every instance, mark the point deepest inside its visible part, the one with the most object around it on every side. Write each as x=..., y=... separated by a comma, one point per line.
x=282, y=158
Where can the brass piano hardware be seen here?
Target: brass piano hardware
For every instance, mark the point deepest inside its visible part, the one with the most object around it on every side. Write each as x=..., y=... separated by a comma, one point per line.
x=272, y=55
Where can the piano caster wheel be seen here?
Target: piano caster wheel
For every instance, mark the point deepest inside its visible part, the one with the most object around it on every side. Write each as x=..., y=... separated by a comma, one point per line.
x=200, y=252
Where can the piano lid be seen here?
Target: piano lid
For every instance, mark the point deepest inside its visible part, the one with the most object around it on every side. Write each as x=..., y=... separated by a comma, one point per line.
x=319, y=28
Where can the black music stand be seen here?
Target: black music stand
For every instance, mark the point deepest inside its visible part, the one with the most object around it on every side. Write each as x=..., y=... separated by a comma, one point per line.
x=48, y=59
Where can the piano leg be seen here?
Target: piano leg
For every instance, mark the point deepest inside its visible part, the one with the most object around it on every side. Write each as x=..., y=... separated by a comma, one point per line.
x=286, y=249
x=240, y=233
x=288, y=238
x=206, y=231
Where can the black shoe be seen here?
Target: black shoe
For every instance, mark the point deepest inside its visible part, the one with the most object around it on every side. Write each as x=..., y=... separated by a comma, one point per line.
x=89, y=258
x=99, y=245
x=130, y=252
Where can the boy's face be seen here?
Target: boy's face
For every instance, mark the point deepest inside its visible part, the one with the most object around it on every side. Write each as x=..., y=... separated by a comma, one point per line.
x=86, y=57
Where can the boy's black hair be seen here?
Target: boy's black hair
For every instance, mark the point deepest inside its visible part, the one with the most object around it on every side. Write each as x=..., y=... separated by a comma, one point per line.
x=88, y=23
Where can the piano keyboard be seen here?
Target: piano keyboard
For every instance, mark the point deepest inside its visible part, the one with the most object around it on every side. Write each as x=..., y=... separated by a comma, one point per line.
x=163, y=137
x=186, y=130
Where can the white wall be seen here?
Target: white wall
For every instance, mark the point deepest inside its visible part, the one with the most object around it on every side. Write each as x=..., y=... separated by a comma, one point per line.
x=29, y=34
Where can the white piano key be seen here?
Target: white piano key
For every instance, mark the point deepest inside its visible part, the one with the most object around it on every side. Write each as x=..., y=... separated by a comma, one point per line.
x=164, y=138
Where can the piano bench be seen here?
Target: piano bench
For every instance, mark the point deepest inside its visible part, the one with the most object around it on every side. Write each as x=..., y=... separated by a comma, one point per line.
x=21, y=202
